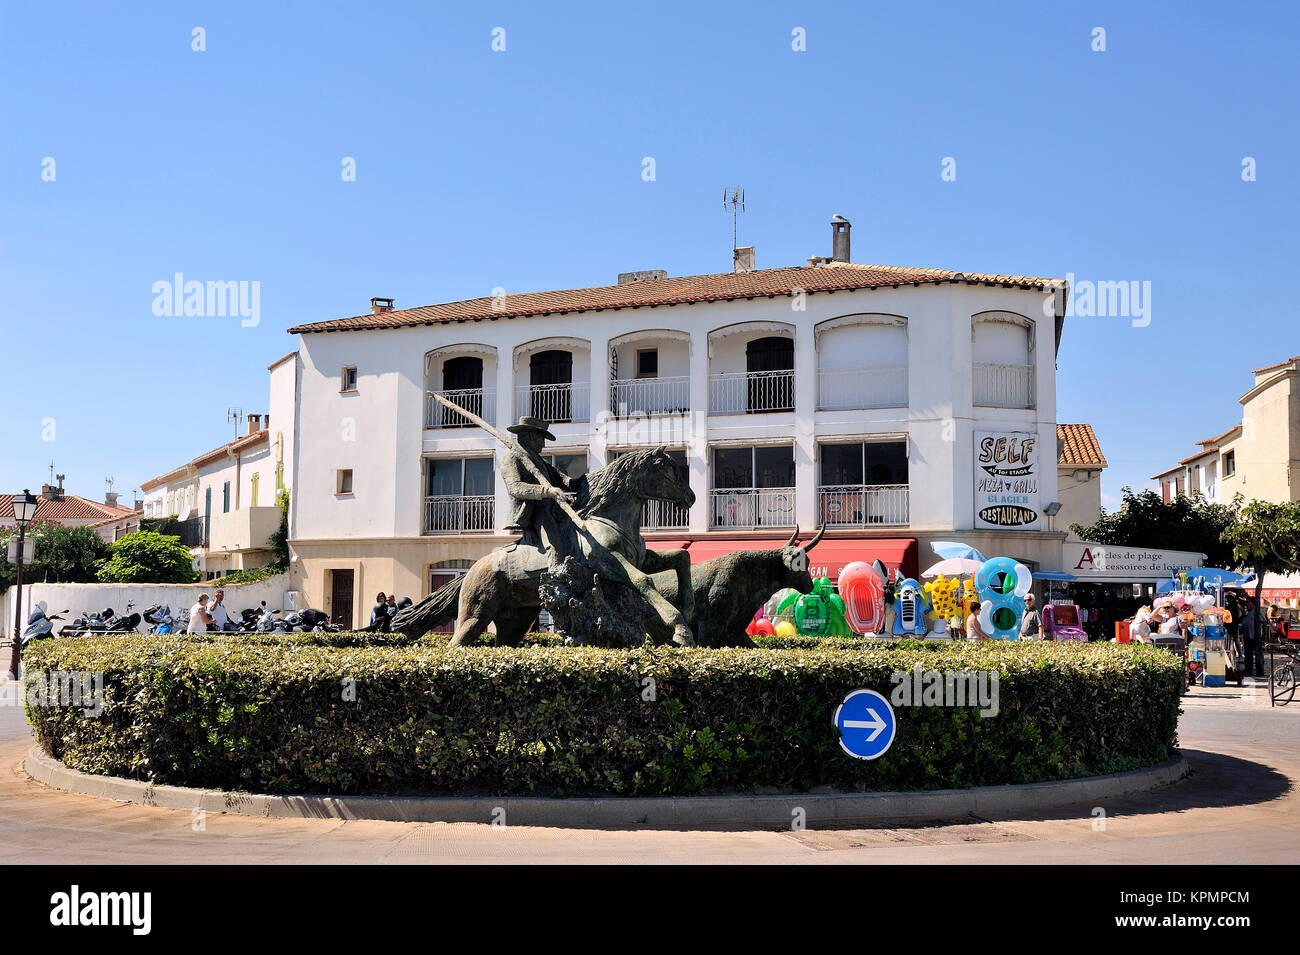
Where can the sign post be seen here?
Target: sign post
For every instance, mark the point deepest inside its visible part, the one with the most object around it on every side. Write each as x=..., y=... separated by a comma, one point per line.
x=866, y=724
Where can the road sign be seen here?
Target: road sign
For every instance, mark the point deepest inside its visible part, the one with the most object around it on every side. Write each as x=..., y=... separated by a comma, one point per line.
x=866, y=724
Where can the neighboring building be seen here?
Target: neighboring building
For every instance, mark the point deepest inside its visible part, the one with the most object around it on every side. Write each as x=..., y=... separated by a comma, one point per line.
x=1079, y=463
x=114, y=528
x=880, y=401
x=225, y=499
x=1258, y=458
x=67, y=509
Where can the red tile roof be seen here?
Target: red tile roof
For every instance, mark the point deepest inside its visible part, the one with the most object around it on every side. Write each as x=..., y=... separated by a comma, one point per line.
x=1079, y=447
x=720, y=287
x=1214, y=449
x=70, y=507
x=1278, y=365
x=239, y=444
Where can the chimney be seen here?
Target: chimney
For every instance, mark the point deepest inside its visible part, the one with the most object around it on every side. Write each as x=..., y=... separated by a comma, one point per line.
x=378, y=305
x=840, y=227
x=742, y=259
x=645, y=275
x=254, y=423
x=110, y=498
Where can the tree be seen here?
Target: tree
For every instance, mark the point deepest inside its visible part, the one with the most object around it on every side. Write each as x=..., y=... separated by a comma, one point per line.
x=280, y=536
x=69, y=554
x=1266, y=537
x=1185, y=523
x=149, y=557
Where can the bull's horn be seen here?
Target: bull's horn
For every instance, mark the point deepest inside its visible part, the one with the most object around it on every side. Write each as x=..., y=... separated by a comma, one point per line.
x=793, y=537
x=821, y=531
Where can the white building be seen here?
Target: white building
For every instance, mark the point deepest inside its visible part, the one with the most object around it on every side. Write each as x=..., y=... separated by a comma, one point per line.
x=226, y=498
x=1079, y=463
x=896, y=405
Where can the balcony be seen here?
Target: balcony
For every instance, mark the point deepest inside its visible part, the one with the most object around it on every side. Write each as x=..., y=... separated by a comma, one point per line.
x=479, y=401
x=853, y=389
x=248, y=528
x=555, y=404
x=664, y=515
x=642, y=397
x=751, y=392
x=458, y=515
x=752, y=507
x=1003, y=385
x=863, y=505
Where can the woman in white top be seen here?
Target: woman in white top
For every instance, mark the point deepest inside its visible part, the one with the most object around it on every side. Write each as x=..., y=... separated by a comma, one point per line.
x=199, y=616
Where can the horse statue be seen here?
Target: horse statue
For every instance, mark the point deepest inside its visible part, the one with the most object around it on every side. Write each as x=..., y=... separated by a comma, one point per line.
x=502, y=587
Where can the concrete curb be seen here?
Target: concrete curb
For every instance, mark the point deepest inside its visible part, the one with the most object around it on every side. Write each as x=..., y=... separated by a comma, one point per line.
x=744, y=811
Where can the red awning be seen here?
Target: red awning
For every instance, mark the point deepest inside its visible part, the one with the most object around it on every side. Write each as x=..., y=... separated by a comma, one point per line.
x=896, y=553
x=827, y=559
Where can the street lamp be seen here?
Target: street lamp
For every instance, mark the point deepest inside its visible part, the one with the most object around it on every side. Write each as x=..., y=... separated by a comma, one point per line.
x=24, y=510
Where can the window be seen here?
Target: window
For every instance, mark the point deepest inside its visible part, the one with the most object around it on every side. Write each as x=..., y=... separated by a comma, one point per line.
x=343, y=483
x=863, y=483
x=459, y=494
x=647, y=363
x=349, y=379
x=252, y=490
x=1230, y=464
x=753, y=486
x=570, y=465
x=225, y=498
x=1002, y=346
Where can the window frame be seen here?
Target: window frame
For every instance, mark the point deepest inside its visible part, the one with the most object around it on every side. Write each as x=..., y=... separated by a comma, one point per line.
x=344, y=476
x=344, y=388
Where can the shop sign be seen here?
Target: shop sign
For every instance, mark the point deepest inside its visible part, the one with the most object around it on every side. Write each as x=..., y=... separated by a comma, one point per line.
x=1006, y=480
x=1112, y=562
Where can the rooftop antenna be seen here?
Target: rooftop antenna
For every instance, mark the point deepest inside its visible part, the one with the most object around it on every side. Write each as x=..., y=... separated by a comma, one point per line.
x=237, y=416
x=736, y=201
x=51, y=470
x=108, y=481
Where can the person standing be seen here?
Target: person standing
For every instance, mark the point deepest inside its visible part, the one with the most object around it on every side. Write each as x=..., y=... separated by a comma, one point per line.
x=218, y=611
x=1031, y=624
x=199, y=616
x=973, y=631
x=379, y=618
x=1251, y=637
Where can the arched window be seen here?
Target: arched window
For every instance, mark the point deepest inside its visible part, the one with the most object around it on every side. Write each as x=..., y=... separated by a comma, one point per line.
x=1002, y=355
x=862, y=362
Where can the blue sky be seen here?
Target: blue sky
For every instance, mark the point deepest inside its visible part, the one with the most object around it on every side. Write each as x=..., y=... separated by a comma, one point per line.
x=522, y=169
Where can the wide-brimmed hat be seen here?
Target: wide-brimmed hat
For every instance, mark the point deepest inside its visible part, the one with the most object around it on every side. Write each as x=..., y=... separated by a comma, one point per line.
x=532, y=424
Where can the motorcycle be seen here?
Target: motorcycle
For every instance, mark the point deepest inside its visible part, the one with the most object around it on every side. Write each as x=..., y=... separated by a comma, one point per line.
x=160, y=619
x=40, y=626
x=106, y=621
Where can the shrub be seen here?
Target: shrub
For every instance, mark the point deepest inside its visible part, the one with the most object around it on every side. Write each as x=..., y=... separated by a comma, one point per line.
x=248, y=576
x=150, y=558
x=279, y=714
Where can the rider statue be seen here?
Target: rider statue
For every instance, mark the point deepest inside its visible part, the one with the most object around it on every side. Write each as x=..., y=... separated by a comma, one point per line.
x=531, y=513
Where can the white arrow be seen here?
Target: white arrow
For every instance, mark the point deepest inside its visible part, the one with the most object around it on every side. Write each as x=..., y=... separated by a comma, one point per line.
x=875, y=724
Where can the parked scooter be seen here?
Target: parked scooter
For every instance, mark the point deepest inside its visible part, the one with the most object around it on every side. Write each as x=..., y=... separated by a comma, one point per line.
x=106, y=621
x=40, y=626
x=160, y=619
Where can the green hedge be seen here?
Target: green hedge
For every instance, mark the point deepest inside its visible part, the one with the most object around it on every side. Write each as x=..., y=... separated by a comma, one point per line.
x=272, y=715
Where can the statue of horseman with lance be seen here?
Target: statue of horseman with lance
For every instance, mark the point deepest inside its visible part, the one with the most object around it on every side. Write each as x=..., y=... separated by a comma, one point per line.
x=580, y=552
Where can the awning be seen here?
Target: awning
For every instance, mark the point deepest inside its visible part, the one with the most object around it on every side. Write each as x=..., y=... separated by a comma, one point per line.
x=1053, y=575
x=827, y=558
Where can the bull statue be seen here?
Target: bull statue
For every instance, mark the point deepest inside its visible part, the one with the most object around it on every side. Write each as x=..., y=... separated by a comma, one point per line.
x=730, y=588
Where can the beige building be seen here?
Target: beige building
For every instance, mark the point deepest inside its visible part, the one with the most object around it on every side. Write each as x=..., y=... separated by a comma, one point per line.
x=1079, y=463
x=1258, y=458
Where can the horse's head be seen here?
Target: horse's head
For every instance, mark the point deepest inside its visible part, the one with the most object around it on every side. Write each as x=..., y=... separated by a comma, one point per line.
x=663, y=479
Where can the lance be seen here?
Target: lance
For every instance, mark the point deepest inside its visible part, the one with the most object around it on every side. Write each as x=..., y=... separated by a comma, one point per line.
x=524, y=457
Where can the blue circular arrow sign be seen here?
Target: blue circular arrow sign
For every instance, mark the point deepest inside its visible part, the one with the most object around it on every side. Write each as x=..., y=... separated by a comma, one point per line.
x=866, y=724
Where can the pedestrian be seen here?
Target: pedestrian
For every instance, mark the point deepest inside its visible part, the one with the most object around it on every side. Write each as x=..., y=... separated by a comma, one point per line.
x=1031, y=624
x=199, y=616
x=1252, y=638
x=379, y=614
x=973, y=631
x=218, y=611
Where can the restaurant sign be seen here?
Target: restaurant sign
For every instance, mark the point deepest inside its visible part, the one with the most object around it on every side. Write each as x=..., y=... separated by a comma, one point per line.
x=1006, y=480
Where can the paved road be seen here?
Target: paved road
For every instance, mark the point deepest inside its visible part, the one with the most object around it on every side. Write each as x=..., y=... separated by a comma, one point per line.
x=1240, y=805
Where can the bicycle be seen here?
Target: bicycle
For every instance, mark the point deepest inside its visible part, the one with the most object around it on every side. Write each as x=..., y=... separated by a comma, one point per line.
x=1282, y=679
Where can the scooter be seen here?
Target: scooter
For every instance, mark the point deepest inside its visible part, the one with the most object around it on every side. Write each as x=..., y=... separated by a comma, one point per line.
x=160, y=618
x=39, y=625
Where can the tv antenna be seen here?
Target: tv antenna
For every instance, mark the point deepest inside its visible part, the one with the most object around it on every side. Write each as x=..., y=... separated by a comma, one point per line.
x=237, y=416
x=108, y=481
x=736, y=202
x=51, y=470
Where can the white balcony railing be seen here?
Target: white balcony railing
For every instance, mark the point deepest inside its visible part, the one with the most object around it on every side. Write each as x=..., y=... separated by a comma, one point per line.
x=555, y=403
x=751, y=392
x=636, y=397
x=663, y=515
x=457, y=515
x=862, y=505
x=479, y=401
x=1003, y=385
x=877, y=386
x=752, y=507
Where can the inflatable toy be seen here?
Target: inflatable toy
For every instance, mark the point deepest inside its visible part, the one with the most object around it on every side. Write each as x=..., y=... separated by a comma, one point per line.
x=785, y=628
x=761, y=626
x=942, y=595
x=819, y=613
x=862, y=589
x=909, y=609
x=1002, y=602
